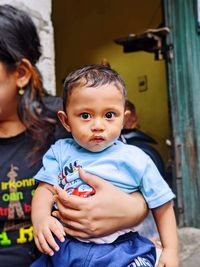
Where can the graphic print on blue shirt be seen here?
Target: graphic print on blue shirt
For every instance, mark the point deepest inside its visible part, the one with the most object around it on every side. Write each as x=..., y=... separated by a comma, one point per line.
x=125, y=166
x=70, y=181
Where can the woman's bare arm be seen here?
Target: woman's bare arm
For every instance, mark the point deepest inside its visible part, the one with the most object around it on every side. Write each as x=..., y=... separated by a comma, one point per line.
x=107, y=211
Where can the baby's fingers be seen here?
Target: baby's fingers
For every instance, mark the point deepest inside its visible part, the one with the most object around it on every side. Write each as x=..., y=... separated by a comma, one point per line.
x=38, y=244
x=161, y=264
x=58, y=230
x=46, y=243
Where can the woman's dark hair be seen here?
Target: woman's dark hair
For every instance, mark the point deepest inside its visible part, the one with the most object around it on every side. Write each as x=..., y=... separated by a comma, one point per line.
x=92, y=75
x=19, y=40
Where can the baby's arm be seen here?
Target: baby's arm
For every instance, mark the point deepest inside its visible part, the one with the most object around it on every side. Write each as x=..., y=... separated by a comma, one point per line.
x=166, y=224
x=44, y=224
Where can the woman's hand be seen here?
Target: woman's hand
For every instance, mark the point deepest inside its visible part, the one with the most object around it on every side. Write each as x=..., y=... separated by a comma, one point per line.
x=107, y=211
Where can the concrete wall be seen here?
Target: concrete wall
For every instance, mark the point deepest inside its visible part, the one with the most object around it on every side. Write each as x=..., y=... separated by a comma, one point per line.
x=40, y=11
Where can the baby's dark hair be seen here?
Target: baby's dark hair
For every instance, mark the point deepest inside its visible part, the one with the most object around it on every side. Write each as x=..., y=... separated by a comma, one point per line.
x=92, y=75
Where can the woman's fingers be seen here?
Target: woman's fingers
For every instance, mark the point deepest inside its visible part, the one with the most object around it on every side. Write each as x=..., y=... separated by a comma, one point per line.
x=69, y=221
x=93, y=180
x=76, y=233
x=74, y=225
x=66, y=212
x=98, y=215
x=71, y=218
x=75, y=202
x=65, y=200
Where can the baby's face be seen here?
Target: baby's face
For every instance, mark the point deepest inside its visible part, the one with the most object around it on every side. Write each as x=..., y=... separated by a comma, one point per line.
x=95, y=115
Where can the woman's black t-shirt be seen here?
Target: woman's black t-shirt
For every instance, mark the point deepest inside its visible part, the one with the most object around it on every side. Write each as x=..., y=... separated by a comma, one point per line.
x=17, y=187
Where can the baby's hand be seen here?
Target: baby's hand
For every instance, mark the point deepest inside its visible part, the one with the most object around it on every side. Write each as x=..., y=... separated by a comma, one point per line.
x=168, y=258
x=43, y=232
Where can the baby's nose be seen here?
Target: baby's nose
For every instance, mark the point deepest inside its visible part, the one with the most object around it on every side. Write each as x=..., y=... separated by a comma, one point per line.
x=98, y=125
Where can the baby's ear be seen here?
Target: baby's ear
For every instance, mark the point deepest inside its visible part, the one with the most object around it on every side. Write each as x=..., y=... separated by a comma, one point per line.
x=64, y=120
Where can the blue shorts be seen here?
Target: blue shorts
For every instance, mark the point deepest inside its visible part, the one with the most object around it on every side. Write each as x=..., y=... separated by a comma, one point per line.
x=129, y=250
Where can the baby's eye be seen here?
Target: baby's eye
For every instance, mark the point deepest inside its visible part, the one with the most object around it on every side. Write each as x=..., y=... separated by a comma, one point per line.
x=85, y=116
x=110, y=115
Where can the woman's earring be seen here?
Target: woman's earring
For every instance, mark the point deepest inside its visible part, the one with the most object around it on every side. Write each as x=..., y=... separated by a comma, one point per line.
x=21, y=91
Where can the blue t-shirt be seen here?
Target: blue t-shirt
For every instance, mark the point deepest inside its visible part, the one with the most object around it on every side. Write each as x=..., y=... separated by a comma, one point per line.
x=125, y=166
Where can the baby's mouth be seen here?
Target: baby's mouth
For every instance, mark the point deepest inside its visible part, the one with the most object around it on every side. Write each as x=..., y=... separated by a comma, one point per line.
x=98, y=139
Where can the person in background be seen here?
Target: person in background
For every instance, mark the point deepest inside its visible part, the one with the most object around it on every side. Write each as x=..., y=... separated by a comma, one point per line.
x=131, y=120
x=94, y=111
x=132, y=135
x=28, y=126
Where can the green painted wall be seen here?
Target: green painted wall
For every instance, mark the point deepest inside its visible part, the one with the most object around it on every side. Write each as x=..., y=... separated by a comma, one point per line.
x=84, y=33
x=184, y=82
